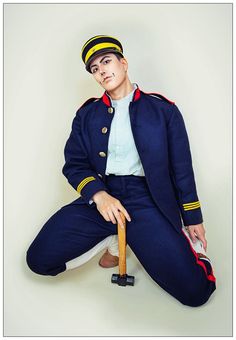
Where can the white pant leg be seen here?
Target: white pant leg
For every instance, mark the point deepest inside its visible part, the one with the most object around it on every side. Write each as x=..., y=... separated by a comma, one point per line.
x=109, y=242
x=113, y=247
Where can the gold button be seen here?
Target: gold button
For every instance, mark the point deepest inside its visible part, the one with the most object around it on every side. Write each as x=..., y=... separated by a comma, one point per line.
x=104, y=129
x=110, y=109
x=100, y=175
x=102, y=154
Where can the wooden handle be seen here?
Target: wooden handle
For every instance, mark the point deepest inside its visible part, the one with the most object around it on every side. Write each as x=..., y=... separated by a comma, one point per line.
x=122, y=245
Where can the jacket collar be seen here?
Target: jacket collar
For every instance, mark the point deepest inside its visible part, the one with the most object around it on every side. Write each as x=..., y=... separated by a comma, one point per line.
x=107, y=100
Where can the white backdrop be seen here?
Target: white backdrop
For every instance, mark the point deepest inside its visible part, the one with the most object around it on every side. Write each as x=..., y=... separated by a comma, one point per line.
x=183, y=51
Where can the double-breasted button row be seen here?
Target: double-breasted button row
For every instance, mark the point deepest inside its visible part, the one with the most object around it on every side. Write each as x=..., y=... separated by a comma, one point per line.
x=102, y=154
x=104, y=130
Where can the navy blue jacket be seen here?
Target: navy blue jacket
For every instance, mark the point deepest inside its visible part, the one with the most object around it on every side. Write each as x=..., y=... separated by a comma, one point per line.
x=162, y=143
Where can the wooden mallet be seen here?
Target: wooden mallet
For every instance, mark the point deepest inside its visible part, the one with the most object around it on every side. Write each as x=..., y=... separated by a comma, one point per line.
x=122, y=279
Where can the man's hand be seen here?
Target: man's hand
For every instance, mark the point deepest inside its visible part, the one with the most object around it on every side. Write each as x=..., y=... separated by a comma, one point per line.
x=109, y=207
x=198, y=231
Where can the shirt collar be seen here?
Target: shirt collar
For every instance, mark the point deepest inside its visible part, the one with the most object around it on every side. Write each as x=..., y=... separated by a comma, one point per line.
x=108, y=101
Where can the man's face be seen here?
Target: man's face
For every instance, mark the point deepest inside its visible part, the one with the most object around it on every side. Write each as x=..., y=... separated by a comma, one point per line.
x=108, y=66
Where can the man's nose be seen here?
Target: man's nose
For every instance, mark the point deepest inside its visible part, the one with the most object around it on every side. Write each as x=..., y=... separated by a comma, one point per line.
x=102, y=72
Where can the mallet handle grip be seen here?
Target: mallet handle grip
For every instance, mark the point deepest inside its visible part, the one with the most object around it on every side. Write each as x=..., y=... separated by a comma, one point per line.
x=122, y=245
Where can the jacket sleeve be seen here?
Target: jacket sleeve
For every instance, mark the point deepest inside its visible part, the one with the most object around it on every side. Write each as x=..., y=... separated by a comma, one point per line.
x=77, y=168
x=181, y=169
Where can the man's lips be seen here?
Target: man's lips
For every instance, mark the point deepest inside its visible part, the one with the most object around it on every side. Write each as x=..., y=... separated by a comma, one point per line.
x=106, y=78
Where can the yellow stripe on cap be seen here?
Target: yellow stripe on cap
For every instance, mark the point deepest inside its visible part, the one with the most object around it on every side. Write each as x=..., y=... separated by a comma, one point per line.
x=84, y=182
x=100, y=46
x=94, y=38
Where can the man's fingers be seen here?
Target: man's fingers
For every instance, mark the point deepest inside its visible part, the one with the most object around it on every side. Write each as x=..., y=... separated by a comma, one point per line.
x=111, y=216
x=198, y=233
x=119, y=219
x=105, y=215
x=204, y=242
x=124, y=211
x=114, y=216
x=192, y=235
x=113, y=212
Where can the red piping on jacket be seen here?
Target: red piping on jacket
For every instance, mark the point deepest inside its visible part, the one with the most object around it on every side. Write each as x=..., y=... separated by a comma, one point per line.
x=106, y=100
x=137, y=94
x=211, y=276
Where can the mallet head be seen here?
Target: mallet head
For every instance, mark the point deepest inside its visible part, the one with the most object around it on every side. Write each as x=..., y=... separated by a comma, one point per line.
x=122, y=280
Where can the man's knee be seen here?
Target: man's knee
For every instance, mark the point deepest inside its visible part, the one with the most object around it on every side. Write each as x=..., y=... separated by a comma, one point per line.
x=196, y=295
x=37, y=264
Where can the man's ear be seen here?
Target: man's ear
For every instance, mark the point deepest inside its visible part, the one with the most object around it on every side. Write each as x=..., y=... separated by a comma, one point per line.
x=125, y=62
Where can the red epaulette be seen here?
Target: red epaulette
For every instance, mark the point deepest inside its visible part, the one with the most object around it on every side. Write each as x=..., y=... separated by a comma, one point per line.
x=92, y=99
x=160, y=96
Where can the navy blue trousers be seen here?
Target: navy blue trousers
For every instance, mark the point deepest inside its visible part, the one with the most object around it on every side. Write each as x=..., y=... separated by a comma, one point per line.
x=166, y=255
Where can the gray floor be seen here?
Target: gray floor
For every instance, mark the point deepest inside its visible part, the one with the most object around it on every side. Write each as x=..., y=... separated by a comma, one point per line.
x=83, y=302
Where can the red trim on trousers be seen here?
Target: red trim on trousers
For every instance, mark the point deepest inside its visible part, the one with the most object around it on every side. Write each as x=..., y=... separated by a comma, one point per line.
x=211, y=276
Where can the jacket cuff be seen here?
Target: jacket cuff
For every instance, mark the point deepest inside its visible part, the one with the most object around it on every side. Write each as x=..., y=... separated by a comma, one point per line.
x=191, y=213
x=89, y=186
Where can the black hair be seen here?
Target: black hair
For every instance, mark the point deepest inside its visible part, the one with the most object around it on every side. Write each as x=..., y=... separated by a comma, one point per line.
x=118, y=56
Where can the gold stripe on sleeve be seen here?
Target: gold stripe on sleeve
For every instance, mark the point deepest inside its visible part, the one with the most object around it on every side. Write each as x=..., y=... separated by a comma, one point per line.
x=84, y=182
x=191, y=206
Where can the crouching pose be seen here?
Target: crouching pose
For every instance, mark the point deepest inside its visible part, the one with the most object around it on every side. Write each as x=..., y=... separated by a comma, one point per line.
x=128, y=151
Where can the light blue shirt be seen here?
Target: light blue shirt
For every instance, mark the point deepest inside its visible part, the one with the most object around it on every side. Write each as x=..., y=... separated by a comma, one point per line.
x=123, y=157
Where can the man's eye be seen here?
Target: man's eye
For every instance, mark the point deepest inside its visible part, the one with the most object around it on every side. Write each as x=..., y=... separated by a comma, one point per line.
x=94, y=70
x=107, y=61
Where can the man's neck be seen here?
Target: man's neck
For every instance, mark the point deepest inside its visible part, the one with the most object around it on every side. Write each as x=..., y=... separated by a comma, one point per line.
x=122, y=91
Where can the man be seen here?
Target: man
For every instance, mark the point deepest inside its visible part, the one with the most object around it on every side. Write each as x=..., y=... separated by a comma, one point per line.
x=128, y=152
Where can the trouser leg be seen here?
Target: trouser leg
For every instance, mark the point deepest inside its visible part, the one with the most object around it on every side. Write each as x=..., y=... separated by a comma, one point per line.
x=71, y=237
x=169, y=259
x=165, y=254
